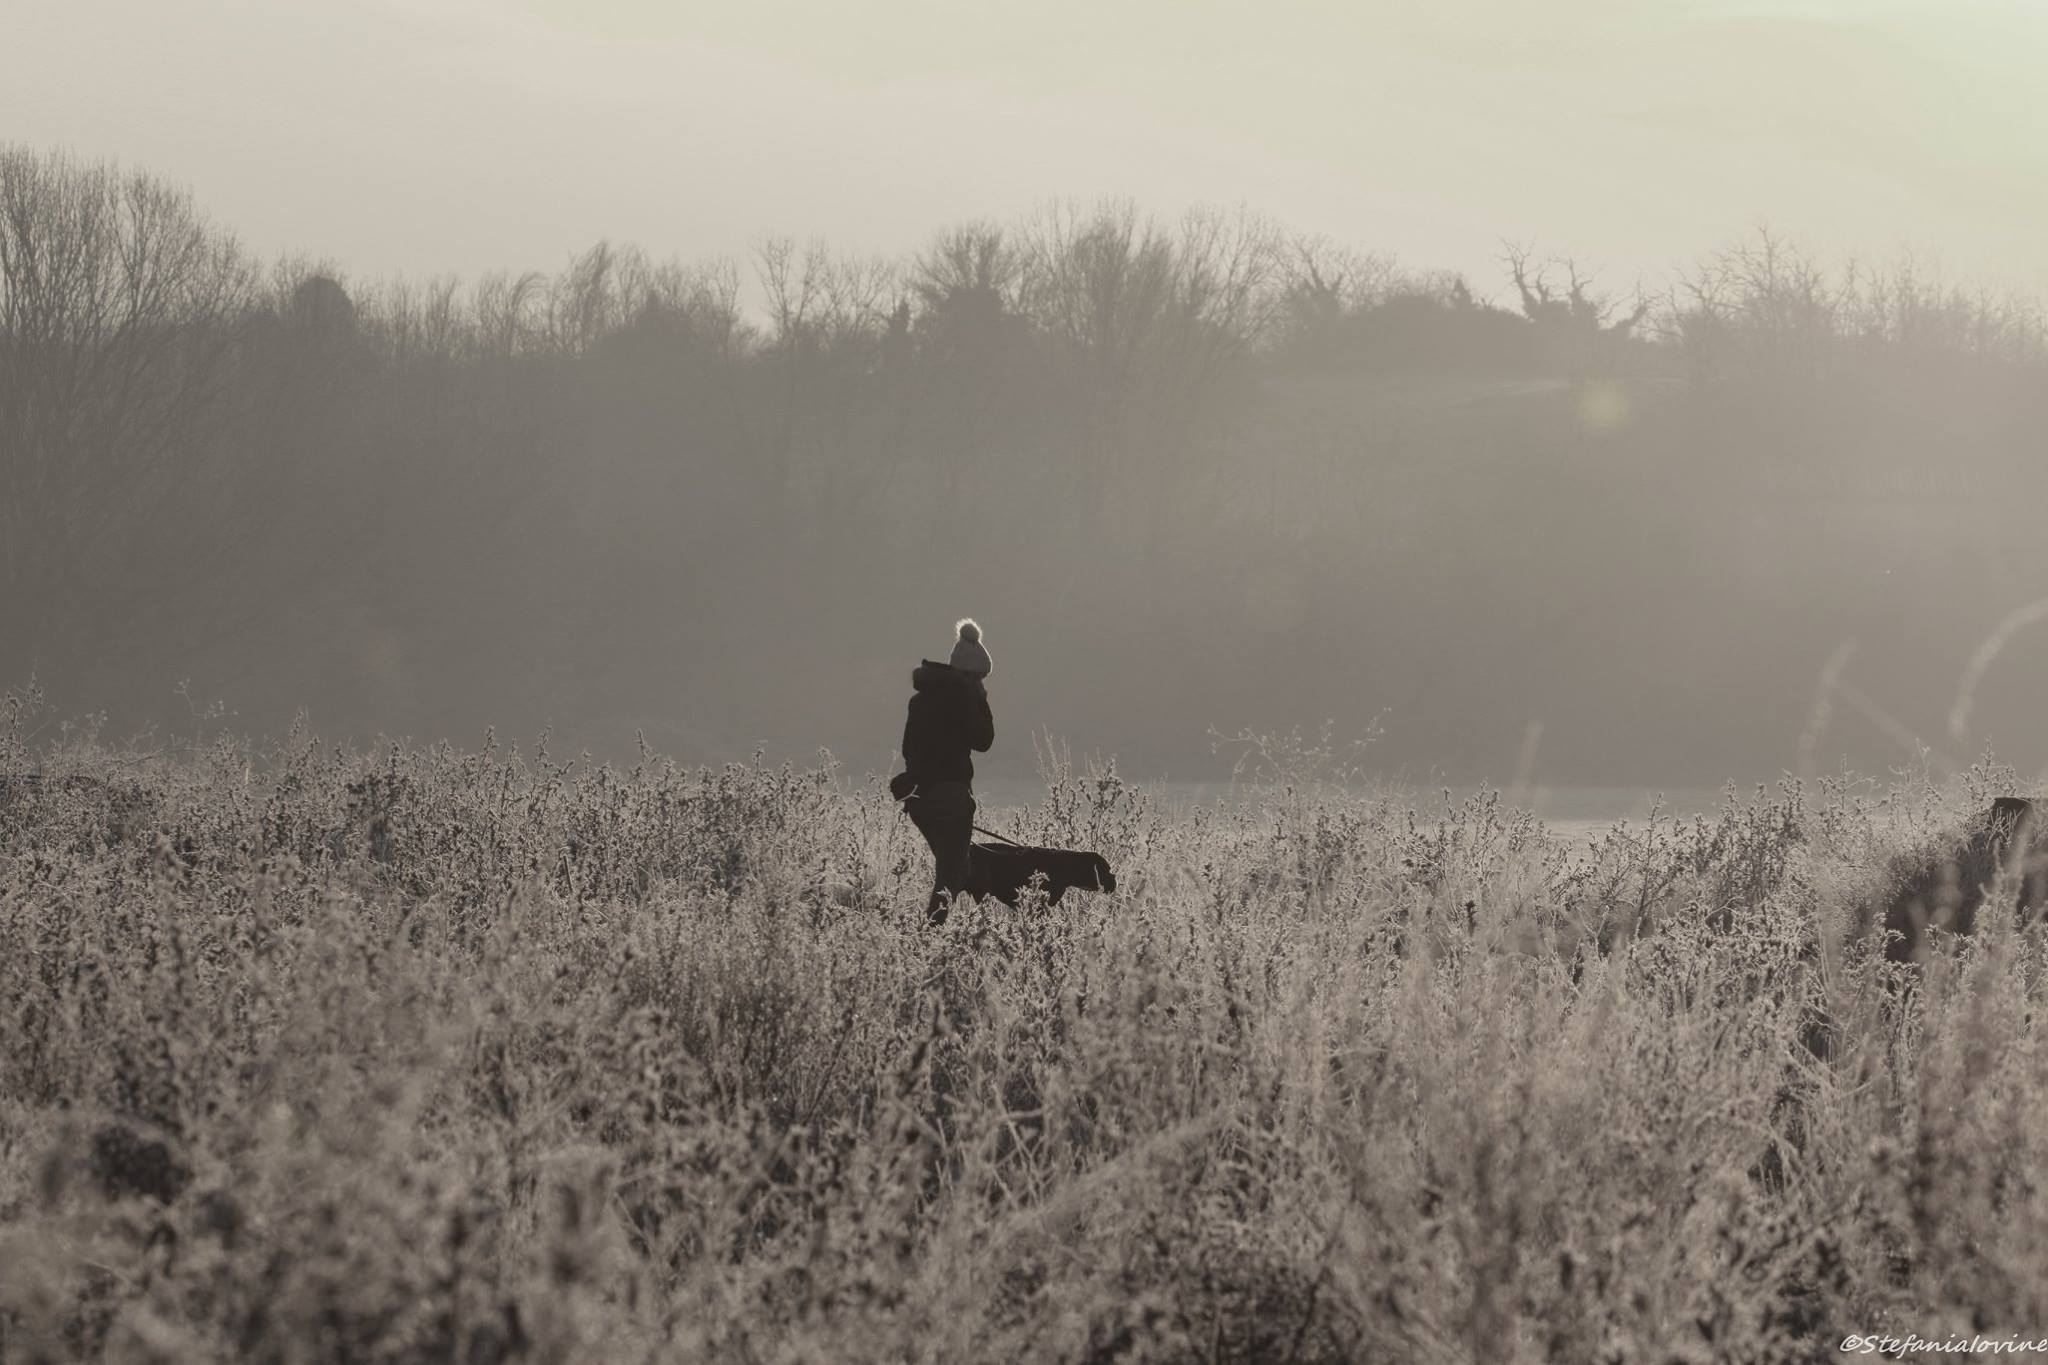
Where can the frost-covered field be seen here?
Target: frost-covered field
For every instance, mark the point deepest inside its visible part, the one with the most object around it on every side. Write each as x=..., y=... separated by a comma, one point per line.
x=419, y=1054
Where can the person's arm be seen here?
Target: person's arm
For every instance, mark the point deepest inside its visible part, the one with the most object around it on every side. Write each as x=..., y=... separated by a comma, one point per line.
x=981, y=722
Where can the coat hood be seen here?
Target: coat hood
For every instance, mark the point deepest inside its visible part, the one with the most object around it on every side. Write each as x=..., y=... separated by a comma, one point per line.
x=929, y=676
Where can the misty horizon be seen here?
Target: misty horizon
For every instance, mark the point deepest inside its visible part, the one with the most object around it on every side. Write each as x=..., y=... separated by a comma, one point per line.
x=1319, y=338
x=1770, y=193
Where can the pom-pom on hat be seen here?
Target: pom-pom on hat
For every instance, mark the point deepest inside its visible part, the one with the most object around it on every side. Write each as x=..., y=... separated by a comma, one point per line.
x=968, y=654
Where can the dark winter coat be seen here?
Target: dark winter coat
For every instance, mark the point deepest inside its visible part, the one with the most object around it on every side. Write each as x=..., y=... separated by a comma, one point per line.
x=949, y=722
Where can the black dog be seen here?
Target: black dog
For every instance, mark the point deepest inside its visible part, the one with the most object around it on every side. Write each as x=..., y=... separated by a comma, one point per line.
x=1005, y=870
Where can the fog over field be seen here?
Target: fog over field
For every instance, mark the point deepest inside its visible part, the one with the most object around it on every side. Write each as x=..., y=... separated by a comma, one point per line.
x=1658, y=406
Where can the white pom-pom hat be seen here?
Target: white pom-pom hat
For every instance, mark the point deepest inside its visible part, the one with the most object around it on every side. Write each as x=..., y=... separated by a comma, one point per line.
x=969, y=656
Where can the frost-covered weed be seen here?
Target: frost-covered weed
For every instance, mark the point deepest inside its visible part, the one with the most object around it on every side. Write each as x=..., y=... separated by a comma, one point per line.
x=316, y=1055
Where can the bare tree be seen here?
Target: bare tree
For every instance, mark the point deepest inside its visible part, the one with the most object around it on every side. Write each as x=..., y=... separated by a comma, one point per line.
x=1099, y=281
x=1766, y=303
x=968, y=277
x=505, y=309
x=792, y=282
x=1145, y=320
x=1223, y=305
x=583, y=301
x=120, y=305
x=1582, y=330
x=1097, y=284
x=1229, y=264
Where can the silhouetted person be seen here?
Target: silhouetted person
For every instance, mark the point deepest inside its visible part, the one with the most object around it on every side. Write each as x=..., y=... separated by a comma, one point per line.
x=949, y=722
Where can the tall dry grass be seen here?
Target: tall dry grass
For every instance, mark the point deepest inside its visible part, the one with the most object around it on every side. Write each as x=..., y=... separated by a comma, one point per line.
x=417, y=1054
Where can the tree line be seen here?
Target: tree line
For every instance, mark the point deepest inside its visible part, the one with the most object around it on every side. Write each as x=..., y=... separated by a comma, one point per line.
x=197, y=446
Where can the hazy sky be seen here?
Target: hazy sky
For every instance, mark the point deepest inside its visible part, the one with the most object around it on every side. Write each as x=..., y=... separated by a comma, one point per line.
x=457, y=135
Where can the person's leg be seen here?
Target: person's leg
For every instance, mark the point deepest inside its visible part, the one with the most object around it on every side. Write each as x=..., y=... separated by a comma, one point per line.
x=955, y=856
x=931, y=824
x=945, y=817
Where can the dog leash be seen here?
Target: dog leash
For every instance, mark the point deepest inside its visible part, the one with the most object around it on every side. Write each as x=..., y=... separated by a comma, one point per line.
x=976, y=828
